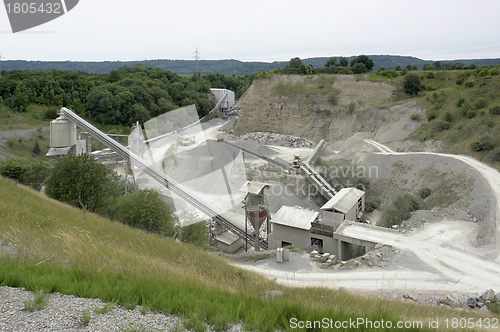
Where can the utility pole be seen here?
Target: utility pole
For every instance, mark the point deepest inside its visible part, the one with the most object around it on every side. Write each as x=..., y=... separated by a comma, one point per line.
x=196, y=57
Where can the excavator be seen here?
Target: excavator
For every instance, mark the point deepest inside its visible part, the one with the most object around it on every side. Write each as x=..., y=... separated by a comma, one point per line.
x=188, y=141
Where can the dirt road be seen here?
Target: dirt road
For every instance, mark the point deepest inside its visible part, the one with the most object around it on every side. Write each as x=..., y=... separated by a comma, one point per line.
x=452, y=264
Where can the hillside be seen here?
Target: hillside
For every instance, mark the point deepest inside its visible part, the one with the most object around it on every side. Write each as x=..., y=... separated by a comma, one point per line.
x=51, y=246
x=228, y=67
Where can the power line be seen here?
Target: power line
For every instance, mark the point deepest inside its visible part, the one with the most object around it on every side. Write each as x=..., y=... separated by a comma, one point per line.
x=196, y=57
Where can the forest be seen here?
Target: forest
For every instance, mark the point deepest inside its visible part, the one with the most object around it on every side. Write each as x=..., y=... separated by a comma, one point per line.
x=120, y=97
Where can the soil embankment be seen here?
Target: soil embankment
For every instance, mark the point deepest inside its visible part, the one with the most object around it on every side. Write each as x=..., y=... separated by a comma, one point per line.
x=303, y=106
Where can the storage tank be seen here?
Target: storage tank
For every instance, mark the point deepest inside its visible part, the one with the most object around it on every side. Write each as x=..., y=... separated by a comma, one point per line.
x=62, y=133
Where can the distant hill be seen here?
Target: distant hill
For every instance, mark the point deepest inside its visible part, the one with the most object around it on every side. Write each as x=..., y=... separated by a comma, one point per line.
x=228, y=67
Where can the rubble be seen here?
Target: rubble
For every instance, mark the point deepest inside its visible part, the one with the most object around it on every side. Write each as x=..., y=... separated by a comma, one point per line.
x=279, y=140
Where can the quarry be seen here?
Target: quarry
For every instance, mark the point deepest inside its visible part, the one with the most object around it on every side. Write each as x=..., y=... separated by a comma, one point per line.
x=268, y=177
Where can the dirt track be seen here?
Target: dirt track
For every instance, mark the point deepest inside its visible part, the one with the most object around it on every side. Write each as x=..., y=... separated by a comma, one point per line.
x=452, y=263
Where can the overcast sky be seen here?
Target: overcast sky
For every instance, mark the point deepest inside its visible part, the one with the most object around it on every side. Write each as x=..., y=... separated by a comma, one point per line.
x=97, y=30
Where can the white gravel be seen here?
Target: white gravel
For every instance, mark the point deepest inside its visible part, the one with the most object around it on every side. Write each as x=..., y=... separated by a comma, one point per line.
x=63, y=312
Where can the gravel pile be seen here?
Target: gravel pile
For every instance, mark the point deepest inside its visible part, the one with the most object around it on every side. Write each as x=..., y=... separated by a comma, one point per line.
x=279, y=140
x=63, y=313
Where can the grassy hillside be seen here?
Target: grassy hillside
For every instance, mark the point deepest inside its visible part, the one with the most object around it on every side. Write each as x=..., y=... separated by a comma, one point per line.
x=61, y=249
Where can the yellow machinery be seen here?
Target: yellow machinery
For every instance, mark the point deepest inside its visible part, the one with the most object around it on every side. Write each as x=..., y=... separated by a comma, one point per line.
x=296, y=161
x=188, y=141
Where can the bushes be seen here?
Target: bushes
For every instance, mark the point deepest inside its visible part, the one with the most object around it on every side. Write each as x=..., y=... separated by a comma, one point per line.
x=424, y=193
x=481, y=103
x=371, y=203
x=495, y=110
x=415, y=116
x=332, y=98
x=431, y=114
x=484, y=143
x=494, y=155
x=27, y=171
x=411, y=84
x=82, y=182
x=441, y=125
x=146, y=210
x=400, y=210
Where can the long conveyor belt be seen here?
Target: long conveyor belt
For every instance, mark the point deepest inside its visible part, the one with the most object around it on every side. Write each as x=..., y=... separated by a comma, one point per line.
x=213, y=212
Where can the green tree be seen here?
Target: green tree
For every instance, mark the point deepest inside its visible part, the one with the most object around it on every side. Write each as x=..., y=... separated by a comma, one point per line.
x=145, y=209
x=343, y=62
x=364, y=59
x=359, y=68
x=331, y=62
x=411, y=84
x=295, y=62
x=82, y=182
x=28, y=171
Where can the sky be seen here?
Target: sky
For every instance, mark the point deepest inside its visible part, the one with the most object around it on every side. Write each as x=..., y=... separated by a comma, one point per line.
x=271, y=30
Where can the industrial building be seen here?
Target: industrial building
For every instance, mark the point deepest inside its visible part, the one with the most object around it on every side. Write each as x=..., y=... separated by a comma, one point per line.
x=293, y=226
x=348, y=202
x=226, y=95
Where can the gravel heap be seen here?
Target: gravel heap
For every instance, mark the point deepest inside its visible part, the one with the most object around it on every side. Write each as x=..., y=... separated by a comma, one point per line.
x=279, y=140
x=63, y=313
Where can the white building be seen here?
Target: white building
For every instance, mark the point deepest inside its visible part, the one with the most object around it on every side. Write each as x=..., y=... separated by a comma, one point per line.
x=225, y=94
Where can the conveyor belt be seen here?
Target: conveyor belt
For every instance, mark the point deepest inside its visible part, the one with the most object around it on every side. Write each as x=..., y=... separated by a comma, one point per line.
x=269, y=160
x=213, y=212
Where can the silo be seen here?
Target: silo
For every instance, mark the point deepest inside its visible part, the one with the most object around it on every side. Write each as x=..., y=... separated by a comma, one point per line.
x=62, y=133
x=256, y=210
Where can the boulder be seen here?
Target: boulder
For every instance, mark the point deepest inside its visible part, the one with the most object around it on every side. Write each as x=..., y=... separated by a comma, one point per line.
x=451, y=302
x=314, y=253
x=471, y=302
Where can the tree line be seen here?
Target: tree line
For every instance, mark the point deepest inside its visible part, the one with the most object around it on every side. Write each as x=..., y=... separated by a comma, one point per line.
x=120, y=97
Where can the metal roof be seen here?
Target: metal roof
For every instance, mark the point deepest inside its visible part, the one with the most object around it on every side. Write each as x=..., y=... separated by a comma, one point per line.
x=295, y=217
x=252, y=187
x=333, y=219
x=344, y=200
x=226, y=237
x=58, y=152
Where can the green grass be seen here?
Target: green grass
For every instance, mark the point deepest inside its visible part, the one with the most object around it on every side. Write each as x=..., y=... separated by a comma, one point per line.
x=33, y=118
x=39, y=302
x=61, y=249
x=84, y=319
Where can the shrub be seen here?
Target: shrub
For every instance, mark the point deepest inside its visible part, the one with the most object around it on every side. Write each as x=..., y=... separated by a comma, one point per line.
x=371, y=203
x=431, y=114
x=145, y=209
x=460, y=102
x=481, y=103
x=351, y=108
x=332, y=98
x=494, y=72
x=469, y=84
x=411, y=83
x=27, y=171
x=494, y=155
x=440, y=126
x=82, y=182
x=484, y=143
x=430, y=75
x=424, y=193
x=495, y=110
x=400, y=210
x=460, y=81
x=470, y=114
x=448, y=117
x=483, y=73
x=415, y=116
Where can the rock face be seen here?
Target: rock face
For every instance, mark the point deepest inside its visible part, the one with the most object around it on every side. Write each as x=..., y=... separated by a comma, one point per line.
x=299, y=106
x=280, y=140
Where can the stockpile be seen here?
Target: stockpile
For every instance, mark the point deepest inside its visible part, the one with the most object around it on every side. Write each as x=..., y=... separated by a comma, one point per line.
x=279, y=140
